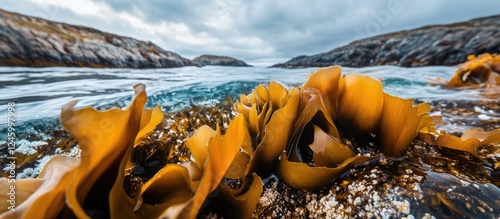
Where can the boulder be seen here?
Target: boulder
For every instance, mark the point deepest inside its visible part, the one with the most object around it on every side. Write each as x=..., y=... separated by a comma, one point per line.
x=219, y=60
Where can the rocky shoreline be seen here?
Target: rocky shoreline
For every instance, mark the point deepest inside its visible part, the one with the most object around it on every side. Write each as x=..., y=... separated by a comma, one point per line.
x=219, y=60
x=430, y=45
x=35, y=42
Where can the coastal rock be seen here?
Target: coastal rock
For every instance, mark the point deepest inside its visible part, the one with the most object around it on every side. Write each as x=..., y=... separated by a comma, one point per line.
x=430, y=45
x=219, y=60
x=35, y=42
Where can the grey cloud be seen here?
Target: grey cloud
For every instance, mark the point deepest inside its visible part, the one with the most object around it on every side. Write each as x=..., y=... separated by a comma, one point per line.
x=260, y=30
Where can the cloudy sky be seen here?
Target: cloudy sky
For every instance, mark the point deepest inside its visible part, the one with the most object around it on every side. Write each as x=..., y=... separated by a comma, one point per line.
x=259, y=32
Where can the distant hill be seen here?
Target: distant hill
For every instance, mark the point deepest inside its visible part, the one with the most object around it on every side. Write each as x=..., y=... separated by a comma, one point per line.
x=430, y=45
x=219, y=60
x=36, y=42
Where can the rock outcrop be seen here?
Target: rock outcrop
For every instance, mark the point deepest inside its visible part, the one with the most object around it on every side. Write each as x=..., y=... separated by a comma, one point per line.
x=35, y=42
x=430, y=45
x=219, y=60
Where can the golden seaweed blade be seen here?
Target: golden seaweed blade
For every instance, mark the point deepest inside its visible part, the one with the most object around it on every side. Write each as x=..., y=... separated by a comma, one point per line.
x=198, y=144
x=399, y=125
x=304, y=177
x=326, y=80
x=361, y=101
x=470, y=140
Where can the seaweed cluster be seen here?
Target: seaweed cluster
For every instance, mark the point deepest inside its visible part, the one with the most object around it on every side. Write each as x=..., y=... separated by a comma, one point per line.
x=304, y=136
x=70, y=187
x=484, y=68
x=308, y=136
x=477, y=71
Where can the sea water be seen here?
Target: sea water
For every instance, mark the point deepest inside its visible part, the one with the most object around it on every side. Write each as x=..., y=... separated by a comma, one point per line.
x=39, y=93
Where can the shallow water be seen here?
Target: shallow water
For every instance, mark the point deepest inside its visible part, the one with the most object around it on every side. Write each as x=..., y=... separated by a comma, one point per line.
x=40, y=92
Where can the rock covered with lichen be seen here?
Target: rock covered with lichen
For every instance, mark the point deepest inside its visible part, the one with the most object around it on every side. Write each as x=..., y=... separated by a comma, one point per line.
x=219, y=60
x=35, y=42
x=448, y=44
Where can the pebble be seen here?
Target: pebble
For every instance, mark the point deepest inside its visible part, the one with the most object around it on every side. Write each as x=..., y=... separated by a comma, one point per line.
x=428, y=216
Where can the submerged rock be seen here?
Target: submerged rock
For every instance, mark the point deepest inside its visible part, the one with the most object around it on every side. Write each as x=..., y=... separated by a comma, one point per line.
x=35, y=42
x=430, y=45
x=219, y=60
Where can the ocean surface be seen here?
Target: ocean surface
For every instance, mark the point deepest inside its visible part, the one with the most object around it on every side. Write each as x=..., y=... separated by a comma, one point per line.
x=39, y=93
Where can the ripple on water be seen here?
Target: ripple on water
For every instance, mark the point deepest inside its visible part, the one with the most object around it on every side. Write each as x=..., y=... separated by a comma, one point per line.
x=40, y=92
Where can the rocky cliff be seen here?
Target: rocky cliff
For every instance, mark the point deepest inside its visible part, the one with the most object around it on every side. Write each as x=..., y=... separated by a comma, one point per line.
x=430, y=45
x=219, y=60
x=35, y=42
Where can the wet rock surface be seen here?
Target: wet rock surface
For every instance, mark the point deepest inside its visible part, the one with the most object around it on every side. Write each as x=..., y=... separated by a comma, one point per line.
x=430, y=45
x=34, y=42
x=219, y=60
